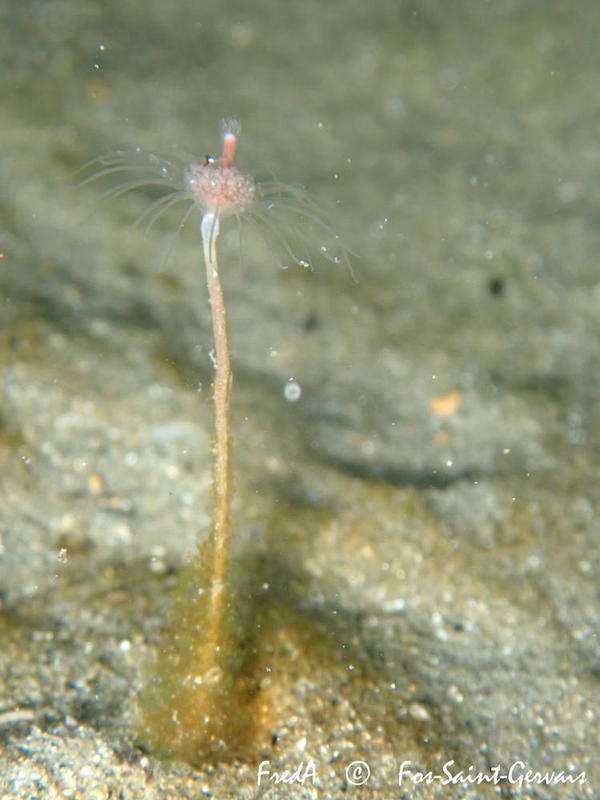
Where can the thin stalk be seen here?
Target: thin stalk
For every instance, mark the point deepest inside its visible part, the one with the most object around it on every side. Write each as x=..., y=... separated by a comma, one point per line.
x=220, y=534
x=201, y=701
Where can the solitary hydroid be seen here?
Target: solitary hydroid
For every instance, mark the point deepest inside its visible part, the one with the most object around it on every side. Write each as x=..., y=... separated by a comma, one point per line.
x=286, y=216
x=196, y=699
x=199, y=698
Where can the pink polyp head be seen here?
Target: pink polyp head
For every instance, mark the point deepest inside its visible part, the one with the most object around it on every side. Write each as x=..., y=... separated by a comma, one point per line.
x=219, y=188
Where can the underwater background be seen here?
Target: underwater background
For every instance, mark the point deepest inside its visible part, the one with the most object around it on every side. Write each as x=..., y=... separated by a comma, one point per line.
x=415, y=439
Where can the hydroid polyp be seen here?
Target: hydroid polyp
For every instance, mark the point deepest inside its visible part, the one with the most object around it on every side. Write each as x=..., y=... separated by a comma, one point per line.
x=205, y=704
x=197, y=701
x=286, y=216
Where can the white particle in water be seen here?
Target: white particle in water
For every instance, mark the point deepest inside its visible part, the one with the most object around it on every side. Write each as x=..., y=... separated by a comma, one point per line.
x=292, y=391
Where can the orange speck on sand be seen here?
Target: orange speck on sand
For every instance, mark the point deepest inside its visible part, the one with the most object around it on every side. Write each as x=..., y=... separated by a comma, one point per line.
x=446, y=404
x=95, y=484
x=96, y=90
